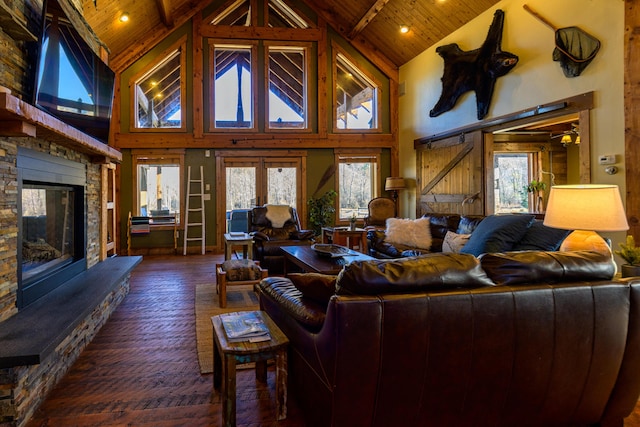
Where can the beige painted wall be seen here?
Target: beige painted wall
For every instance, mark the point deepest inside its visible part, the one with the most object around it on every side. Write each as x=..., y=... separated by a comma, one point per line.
x=535, y=80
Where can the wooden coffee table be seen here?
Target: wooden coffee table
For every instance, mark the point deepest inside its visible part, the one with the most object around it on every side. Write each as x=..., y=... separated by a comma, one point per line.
x=311, y=262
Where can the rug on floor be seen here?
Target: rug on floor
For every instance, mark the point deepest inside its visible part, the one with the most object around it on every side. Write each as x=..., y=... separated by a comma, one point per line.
x=239, y=298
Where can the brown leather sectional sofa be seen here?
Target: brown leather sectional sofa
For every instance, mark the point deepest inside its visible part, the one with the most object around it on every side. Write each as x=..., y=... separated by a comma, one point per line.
x=525, y=233
x=526, y=338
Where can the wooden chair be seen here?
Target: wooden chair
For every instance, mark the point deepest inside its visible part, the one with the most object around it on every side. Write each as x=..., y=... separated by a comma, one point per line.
x=380, y=208
x=237, y=272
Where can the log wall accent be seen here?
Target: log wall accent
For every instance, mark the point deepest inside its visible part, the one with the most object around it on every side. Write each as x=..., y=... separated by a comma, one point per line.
x=632, y=115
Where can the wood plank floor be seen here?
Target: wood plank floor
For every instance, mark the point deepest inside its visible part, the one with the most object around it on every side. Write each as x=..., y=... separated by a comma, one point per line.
x=142, y=368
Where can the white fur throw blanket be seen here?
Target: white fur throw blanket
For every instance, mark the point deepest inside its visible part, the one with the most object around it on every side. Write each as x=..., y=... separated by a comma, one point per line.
x=278, y=215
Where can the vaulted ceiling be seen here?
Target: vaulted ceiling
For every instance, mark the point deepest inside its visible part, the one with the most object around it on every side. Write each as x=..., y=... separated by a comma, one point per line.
x=371, y=23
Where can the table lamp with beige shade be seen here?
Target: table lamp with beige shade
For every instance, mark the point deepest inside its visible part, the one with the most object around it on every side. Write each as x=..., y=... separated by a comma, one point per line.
x=586, y=208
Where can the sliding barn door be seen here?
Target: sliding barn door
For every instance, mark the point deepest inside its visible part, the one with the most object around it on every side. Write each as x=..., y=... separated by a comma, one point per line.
x=450, y=176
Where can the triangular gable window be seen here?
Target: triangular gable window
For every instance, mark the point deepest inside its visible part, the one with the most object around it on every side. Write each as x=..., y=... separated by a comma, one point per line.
x=356, y=96
x=237, y=14
x=279, y=14
x=158, y=91
x=283, y=16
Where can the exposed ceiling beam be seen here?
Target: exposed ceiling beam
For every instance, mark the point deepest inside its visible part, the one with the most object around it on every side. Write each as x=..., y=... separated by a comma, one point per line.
x=165, y=12
x=372, y=53
x=138, y=48
x=368, y=17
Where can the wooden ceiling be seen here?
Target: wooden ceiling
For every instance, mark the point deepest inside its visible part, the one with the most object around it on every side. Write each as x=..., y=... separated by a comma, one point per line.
x=371, y=23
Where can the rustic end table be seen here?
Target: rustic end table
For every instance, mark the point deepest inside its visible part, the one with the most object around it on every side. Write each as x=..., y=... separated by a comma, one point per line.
x=245, y=240
x=227, y=354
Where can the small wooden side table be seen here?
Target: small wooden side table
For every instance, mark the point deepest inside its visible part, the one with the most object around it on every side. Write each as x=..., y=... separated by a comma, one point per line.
x=346, y=237
x=227, y=354
x=245, y=240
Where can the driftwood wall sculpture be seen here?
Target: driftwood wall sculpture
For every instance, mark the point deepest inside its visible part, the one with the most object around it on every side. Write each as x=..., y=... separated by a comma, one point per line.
x=475, y=70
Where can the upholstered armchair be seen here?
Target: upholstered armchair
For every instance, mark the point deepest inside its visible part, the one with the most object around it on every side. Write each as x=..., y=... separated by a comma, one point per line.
x=274, y=226
x=380, y=208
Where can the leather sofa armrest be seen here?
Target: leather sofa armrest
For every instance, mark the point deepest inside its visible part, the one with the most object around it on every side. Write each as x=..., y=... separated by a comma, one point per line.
x=378, y=245
x=290, y=301
x=258, y=235
x=302, y=235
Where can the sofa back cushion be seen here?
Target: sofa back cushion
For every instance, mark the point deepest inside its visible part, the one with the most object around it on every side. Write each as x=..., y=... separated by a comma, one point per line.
x=497, y=233
x=527, y=267
x=404, y=275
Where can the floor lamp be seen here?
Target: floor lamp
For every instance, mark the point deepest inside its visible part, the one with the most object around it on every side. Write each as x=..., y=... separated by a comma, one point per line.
x=394, y=184
x=586, y=209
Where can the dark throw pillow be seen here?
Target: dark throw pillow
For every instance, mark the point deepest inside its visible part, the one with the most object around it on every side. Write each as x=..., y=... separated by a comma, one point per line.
x=316, y=287
x=539, y=237
x=497, y=233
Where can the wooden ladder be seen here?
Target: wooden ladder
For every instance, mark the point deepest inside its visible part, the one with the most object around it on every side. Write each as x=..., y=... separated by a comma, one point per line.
x=194, y=216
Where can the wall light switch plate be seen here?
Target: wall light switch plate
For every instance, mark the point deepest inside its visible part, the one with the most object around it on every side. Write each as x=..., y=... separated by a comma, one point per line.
x=206, y=196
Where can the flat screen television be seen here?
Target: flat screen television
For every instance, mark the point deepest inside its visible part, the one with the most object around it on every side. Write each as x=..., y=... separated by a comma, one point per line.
x=72, y=82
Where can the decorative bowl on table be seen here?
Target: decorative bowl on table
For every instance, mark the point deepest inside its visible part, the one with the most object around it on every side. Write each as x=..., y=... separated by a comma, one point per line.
x=329, y=250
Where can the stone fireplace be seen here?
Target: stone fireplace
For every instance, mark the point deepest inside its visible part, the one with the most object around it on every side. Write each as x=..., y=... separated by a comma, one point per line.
x=58, y=285
x=32, y=160
x=50, y=242
x=51, y=223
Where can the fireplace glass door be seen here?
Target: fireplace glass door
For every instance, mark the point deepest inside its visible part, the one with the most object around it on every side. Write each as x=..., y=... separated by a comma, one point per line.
x=48, y=216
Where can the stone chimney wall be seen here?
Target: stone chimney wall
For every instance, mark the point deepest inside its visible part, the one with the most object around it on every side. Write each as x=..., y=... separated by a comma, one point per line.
x=18, y=60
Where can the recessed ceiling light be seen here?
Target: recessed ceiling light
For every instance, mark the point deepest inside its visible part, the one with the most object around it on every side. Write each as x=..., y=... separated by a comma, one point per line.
x=124, y=17
x=404, y=29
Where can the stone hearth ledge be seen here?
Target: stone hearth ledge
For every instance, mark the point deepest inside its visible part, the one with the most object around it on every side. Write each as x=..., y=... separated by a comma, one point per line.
x=29, y=336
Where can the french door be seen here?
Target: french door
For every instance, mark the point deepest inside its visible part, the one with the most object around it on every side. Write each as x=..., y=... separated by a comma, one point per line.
x=253, y=179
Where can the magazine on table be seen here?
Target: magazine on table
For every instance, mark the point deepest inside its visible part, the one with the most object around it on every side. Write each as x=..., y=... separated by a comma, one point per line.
x=244, y=326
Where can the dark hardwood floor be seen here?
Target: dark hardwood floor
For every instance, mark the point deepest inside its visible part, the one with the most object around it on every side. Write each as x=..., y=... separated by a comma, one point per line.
x=142, y=369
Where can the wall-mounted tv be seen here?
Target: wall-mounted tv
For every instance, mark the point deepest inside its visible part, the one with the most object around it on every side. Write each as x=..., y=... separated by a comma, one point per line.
x=72, y=83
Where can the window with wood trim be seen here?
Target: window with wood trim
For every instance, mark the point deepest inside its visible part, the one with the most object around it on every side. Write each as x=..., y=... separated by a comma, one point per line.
x=357, y=175
x=355, y=94
x=233, y=82
x=287, y=71
x=158, y=181
x=158, y=94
